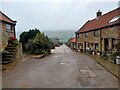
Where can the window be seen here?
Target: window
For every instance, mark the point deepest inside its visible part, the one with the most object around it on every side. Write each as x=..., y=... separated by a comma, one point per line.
x=86, y=34
x=114, y=19
x=79, y=35
x=8, y=26
x=96, y=46
x=113, y=42
x=79, y=44
x=88, y=44
x=96, y=33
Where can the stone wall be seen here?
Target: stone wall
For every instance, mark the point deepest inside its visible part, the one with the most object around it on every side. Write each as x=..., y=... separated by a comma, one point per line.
x=90, y=39
x=4, y=35
x=109, y=33
x=19, y=53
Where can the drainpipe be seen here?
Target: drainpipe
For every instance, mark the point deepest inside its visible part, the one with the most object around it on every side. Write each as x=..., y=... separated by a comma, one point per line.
x=14, y=24
x=100, y=40
x=76, y=40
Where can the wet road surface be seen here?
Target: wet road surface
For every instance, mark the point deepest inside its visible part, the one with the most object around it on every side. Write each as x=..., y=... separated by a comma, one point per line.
x=64, y=68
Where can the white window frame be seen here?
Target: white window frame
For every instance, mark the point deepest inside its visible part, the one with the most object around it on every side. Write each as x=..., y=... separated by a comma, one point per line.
x=96, y=33
x=86, y=34
x=8, y=27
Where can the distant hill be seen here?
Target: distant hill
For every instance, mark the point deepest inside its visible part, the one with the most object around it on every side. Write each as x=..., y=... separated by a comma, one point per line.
x=62, y=35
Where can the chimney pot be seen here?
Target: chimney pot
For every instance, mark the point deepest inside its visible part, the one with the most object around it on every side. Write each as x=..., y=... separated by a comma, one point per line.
x=99, y=13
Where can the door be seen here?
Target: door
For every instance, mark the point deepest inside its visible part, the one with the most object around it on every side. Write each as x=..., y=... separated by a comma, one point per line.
x=84, y=45
x=106, y=44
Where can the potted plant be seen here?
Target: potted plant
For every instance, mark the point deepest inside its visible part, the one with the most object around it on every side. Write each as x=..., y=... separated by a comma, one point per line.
x=93, y=52
x=115, y=57
x=98, y=52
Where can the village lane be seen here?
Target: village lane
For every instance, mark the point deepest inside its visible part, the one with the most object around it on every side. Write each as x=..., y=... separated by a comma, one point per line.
x=64, y=68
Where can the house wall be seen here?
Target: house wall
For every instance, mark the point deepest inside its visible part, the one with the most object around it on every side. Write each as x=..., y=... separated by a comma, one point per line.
x=118, y=27
x=5, y=34
x=72, y=45
x=109, y=33
x=91, y=40
x=0, y=35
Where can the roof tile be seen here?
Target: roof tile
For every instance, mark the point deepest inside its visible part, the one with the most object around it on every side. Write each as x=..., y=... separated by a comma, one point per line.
x=5, y=18
x=101, y=21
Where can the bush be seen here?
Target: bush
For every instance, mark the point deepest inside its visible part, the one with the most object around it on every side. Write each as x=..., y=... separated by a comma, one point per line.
x=90, y=51
x=13, y=40
x=104, y=55
x=40, y=52
x=113, y=56
x=116, y=53
x=35, y=42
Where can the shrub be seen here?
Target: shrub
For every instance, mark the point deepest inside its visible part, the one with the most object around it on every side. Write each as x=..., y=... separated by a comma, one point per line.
x=116, y=53
x=40, y=51
x=29, y=47
x=113, y=56
x=13, y=40
x=35, y=42
x=104, y=55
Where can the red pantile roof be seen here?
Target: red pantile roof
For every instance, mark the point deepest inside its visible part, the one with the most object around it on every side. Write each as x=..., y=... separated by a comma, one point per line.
x=101, y=21
x=73, y=40
x=5, y=18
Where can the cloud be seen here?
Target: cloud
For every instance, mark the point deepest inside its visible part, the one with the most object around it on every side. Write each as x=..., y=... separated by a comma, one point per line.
x=59, y=1
x=54, y=15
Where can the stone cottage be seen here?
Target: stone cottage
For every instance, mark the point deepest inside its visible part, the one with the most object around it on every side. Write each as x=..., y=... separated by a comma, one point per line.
x=7, y=29
x=101, y=33
x=72, y=43
x=10, y=51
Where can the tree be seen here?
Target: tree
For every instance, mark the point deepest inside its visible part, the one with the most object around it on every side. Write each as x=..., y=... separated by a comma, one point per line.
x=33, y=41
x=40, y=41
x=26, y=36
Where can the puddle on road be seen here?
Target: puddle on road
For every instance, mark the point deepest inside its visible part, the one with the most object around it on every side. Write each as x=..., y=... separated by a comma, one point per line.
x=62, y=63
x=68, y=62
x=88, y=73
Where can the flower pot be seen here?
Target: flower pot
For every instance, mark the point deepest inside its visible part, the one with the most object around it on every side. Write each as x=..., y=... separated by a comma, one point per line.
x=98, y=53
x=93, y=53
x=118, y=60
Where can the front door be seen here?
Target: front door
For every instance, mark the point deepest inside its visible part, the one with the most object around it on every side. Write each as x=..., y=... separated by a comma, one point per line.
x=84, y=45
x=106, y=44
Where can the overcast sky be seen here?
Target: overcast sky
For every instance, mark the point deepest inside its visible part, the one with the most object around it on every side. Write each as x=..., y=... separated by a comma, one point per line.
x=54, y=15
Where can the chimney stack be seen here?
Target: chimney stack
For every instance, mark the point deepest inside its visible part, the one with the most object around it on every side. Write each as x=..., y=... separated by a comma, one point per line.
x=99, y=13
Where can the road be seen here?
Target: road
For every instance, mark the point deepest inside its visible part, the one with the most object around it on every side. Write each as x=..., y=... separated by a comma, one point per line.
x=64, y=68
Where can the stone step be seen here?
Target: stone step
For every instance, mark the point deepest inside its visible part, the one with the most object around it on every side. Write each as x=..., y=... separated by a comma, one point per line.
x=11, y=45
x=11, y=50
x=7, y=48
x=7, y=56
x=7, y=53
x=6, y=62
x=6, y=59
